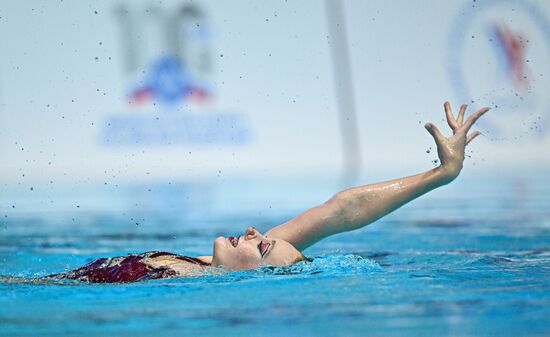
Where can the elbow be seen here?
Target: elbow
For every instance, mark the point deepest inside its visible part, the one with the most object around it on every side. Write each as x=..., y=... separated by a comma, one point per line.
x=342, y=210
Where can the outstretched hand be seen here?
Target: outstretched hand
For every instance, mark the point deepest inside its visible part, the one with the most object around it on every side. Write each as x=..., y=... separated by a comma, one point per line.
x=451, y=149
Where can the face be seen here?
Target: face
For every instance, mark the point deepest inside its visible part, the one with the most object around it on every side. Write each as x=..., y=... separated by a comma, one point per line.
x=252, y=250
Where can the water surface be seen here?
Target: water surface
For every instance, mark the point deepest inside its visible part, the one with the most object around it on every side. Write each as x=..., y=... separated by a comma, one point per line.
x=445, y=265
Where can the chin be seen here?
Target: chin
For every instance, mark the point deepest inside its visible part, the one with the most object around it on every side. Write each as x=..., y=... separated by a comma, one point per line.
x=219, y=240
x=219, y=244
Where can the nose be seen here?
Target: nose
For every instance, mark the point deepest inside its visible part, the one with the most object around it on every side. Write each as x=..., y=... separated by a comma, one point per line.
x=251, y=233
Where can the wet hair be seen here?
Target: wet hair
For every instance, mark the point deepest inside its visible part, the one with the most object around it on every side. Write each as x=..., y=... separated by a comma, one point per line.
x=301, y=258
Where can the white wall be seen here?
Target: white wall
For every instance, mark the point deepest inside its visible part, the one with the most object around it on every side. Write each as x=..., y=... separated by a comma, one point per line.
x=273, y=82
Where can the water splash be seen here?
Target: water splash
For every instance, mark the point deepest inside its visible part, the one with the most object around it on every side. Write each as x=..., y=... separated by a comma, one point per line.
x=326, y=264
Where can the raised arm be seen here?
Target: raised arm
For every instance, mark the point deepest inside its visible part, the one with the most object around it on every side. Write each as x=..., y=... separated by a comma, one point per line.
x=359, y=206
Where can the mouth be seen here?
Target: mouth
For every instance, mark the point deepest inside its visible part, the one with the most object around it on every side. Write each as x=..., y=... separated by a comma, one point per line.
x=234, y=240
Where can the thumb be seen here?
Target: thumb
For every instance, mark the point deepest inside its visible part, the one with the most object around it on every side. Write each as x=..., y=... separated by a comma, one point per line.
x=434, y=131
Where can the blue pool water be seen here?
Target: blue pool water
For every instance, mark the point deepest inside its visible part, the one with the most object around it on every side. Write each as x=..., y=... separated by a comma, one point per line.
x=471, y=259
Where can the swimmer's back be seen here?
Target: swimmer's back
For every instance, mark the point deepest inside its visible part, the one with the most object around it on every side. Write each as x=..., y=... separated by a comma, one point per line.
x=134, y=267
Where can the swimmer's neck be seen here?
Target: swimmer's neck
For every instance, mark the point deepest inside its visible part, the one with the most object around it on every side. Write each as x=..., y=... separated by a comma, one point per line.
x=205, y=259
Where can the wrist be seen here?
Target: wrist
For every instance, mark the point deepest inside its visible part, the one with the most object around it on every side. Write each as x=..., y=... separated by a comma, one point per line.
x=448, y=173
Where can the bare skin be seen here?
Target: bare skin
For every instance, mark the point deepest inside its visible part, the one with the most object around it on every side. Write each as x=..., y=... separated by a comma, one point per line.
x=348, y=210
x=353, y=208
x=359, y=206
x=253, y=250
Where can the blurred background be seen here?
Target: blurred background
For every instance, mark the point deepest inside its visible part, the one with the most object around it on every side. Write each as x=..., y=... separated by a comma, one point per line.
x=131, y=126
x=201, y=107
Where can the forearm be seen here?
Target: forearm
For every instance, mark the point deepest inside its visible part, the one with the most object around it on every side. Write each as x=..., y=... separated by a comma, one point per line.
x=359, y=206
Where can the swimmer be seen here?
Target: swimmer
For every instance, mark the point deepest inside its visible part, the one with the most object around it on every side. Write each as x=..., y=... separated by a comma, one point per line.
x=282, y=245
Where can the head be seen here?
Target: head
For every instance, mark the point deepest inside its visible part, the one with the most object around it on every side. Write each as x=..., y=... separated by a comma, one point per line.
x=253, y=250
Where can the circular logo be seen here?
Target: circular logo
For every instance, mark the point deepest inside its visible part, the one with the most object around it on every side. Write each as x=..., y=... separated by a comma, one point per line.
x=500, y=57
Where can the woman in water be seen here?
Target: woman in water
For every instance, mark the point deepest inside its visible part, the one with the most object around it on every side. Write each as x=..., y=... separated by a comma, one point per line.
x=282, y=245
